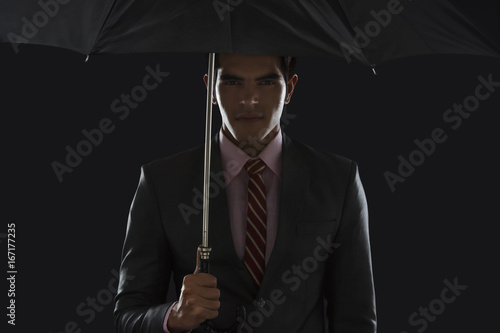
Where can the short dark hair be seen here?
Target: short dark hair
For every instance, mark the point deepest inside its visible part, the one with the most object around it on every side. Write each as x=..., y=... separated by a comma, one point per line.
x=287, y=65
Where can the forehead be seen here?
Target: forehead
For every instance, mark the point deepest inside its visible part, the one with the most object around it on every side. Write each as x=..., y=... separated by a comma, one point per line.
x=253, y=65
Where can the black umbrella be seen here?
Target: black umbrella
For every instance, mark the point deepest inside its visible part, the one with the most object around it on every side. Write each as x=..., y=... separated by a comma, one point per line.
x=368, y=32
x=365, y=32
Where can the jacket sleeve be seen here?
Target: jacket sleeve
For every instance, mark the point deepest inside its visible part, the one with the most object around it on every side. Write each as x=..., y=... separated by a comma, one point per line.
x=349, y=289
x=145, y=266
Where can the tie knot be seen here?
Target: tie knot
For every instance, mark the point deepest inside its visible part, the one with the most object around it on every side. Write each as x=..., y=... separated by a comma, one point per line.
x=255, y=167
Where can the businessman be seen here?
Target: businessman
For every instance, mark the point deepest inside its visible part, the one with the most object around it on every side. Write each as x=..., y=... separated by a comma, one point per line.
x=288, y=225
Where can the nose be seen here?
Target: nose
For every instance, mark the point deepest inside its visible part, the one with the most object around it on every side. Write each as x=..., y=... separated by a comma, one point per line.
x=249, y=95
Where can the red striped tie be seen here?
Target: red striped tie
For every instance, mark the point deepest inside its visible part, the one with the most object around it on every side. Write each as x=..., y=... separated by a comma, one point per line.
x=255, y=248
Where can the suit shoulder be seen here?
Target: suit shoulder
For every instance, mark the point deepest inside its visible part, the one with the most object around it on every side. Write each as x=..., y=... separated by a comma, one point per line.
x=328, y=173
x=176, y=164
x=324, y=158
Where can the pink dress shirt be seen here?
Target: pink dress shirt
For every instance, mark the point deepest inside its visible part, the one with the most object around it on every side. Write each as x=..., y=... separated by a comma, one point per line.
x=233, y=162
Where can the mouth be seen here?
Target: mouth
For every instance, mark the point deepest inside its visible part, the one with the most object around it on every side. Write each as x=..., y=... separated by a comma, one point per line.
x=249, y=118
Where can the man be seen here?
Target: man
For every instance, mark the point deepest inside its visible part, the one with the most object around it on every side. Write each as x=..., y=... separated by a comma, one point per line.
x=288, y=225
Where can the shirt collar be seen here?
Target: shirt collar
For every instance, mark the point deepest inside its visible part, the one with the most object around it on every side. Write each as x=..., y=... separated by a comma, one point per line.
x=234, y=158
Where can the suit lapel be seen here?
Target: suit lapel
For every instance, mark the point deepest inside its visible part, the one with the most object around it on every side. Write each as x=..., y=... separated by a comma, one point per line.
x=294, y=183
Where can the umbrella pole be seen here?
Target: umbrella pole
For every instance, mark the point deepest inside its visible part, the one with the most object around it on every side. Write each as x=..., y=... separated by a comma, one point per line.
x=204, y=248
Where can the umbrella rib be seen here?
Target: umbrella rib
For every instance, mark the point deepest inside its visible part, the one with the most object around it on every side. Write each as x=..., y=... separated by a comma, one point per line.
x=365, y=53
x=104, y=22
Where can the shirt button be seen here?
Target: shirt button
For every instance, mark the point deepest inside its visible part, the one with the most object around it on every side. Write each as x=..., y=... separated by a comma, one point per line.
x=261, y=302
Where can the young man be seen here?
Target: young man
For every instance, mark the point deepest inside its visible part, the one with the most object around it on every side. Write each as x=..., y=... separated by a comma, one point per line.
x=288, y=225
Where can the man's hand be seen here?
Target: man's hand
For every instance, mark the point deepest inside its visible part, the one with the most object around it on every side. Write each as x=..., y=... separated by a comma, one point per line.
x=198, y=302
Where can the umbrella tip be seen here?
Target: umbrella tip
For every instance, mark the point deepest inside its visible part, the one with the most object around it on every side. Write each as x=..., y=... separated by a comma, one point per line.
x=373, y=70
x=87, y=58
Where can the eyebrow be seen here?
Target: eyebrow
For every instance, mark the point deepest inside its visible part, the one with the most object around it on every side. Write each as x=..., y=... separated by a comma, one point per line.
x=264, y=77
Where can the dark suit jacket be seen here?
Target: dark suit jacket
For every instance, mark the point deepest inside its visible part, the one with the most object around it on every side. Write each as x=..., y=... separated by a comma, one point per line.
x=319, y=275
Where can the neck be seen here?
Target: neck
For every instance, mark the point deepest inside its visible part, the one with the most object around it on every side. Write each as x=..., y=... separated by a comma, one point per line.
x=253, y=146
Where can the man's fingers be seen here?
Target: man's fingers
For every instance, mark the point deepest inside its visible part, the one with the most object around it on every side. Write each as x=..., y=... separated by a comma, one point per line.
x=199, y=300
x=209, y=293
x=200, y=279
x=200, y=314
x=191, y=311
x=203, y=303
x=212, y=314
x=206, y=280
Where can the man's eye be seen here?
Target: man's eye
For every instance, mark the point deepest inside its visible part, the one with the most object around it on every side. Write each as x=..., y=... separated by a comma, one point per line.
x=230, y=83
x=267, y=82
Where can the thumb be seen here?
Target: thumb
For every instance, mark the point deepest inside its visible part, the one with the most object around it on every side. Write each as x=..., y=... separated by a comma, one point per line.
x=198, y=256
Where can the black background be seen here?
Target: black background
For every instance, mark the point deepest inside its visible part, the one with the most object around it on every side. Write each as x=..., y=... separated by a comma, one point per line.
x=439, y=224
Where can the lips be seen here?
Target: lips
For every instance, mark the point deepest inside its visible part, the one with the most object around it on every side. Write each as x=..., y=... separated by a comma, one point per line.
x=250, y=117
x=249, y=120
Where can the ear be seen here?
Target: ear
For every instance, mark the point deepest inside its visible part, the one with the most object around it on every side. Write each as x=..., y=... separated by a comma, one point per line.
x=290, y=86
x=205, y=79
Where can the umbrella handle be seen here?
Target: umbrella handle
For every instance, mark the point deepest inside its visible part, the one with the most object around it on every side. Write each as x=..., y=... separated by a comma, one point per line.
x=207, y=325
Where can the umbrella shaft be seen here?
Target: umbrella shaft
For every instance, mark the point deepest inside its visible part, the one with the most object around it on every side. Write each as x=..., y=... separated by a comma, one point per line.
x=208, y=147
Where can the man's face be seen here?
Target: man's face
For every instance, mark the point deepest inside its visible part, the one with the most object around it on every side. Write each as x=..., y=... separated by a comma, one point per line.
x=251, y=91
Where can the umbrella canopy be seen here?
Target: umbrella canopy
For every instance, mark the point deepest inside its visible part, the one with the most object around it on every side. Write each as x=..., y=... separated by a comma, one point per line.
x=361, y=31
